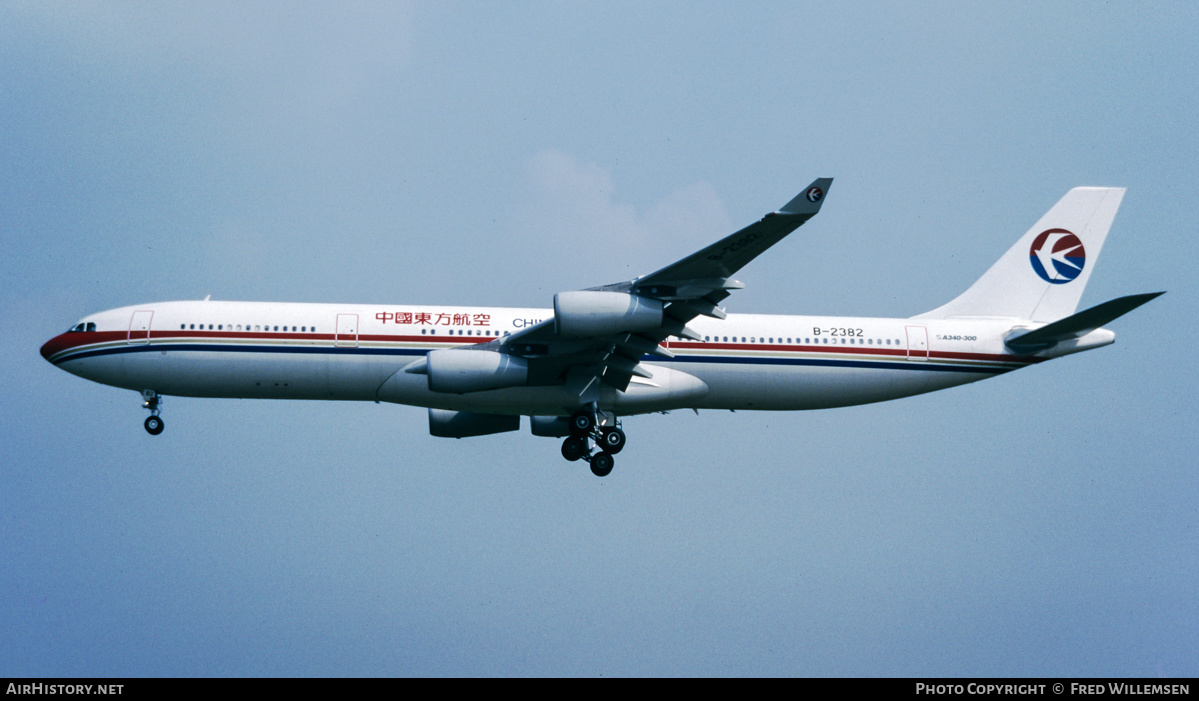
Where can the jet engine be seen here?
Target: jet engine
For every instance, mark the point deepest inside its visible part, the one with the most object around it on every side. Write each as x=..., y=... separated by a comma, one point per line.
x=550, y=426
x=596, y=313
x=465, y=424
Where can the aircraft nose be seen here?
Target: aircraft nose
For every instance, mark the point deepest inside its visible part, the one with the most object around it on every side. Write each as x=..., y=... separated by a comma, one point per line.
x=54, y=345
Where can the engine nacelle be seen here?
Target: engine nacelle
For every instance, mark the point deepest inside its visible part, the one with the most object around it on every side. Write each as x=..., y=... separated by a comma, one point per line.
x=586, y=313
x=459, y=371
x=550, y=426
x=444, y=423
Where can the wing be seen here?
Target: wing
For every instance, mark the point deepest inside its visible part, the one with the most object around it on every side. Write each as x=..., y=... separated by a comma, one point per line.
x=600, y=335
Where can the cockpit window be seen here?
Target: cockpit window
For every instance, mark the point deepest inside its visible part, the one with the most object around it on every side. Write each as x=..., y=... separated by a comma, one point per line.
x=91, y=326
x=77, y=328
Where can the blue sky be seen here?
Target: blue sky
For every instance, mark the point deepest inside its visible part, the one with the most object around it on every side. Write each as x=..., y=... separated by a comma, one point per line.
x=1041, y=523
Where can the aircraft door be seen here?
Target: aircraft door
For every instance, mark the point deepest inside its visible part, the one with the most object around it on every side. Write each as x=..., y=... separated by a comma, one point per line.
x=347, y=331
x=917, y=343
x=139, y=327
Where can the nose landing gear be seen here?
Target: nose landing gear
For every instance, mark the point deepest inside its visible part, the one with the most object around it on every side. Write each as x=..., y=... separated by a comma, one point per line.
x=587, y=425
x=153, y=402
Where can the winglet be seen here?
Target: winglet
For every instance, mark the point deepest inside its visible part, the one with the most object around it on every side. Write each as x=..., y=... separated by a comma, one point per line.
x=808, y=201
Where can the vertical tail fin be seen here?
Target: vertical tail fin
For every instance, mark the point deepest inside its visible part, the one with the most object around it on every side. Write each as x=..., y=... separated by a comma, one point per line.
x=1042, y=277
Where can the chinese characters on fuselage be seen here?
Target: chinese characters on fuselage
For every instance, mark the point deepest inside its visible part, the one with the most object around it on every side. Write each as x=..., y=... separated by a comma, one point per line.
x=434, y=318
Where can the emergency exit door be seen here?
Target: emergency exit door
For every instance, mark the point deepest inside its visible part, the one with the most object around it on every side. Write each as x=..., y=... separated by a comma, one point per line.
x=917, y=343
x=139, y=327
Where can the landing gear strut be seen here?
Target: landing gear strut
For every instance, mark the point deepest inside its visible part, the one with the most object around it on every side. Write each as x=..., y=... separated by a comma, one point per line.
x=587, y=425
x=153, y=402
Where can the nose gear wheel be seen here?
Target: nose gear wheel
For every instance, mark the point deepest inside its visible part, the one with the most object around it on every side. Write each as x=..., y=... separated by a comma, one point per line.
x=153, y=401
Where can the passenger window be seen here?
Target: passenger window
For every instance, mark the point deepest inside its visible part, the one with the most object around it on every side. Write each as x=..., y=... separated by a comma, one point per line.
x=182, y=327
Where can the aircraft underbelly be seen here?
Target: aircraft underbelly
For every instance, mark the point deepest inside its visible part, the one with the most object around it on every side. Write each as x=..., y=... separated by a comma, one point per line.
x=787, y=388
x=671, y=389
x=242, y=375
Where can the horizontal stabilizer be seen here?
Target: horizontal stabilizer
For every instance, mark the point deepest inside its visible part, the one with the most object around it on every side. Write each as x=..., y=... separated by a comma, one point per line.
x=1077, y=325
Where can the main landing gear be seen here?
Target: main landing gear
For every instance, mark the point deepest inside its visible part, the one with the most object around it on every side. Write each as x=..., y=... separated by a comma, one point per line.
x=585, y=427
x=153, y=402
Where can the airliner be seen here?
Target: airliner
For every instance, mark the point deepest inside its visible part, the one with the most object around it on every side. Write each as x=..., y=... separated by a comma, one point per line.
x=657, y=343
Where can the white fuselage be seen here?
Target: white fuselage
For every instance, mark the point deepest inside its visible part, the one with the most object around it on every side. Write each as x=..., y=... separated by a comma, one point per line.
x=359, y=352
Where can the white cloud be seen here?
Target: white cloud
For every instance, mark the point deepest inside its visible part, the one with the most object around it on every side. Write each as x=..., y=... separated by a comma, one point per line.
x=572, y=210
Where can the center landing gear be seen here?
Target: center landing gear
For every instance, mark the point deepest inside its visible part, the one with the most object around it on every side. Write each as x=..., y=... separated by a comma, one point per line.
x=586, y=425
x=153, y=402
